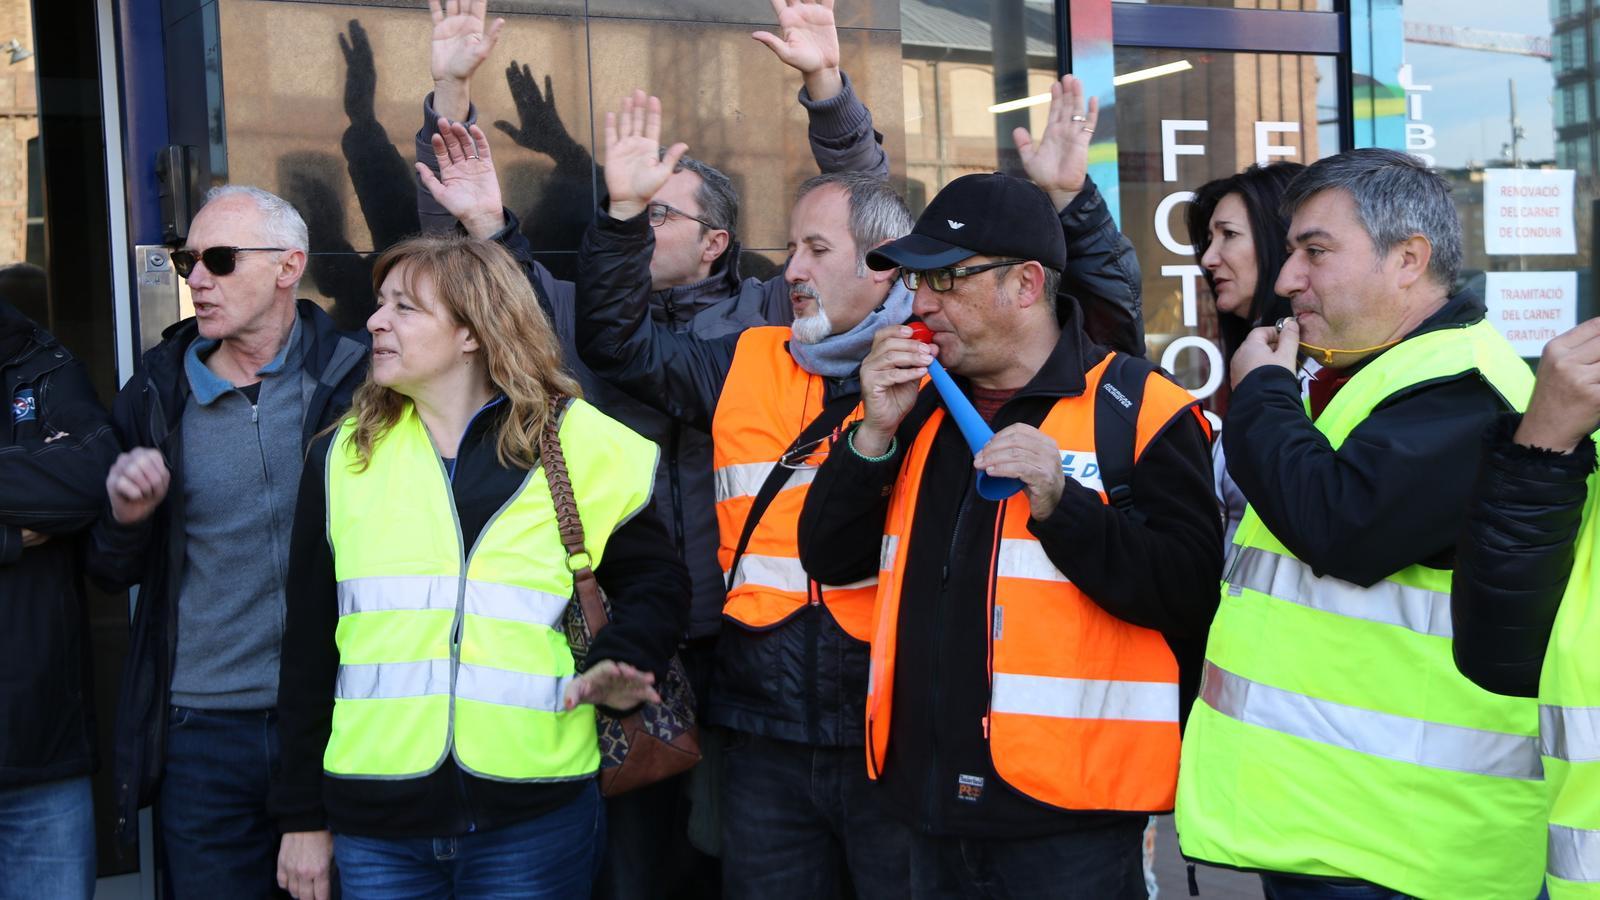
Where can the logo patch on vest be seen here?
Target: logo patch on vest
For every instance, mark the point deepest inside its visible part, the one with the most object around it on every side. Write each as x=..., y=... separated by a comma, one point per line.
x=1082, y=466
x=999, y=621
x=969, y=788
x=24, y=408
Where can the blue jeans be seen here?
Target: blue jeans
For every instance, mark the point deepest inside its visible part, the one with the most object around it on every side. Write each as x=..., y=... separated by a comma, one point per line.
x=1099, y=864
x=798, y=821
x=47, y=840
x=216, y=837
x=1295, y=887
x=553, y=857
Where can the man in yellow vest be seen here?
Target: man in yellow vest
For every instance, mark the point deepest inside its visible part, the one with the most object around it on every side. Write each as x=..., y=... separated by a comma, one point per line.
x=1526, y=597
x=1029, y=647
x=1335, y=748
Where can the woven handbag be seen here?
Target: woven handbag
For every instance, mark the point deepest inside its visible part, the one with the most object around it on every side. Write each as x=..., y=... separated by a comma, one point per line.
x=658, y=740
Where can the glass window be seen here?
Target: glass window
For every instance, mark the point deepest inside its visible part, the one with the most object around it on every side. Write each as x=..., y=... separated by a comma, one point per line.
x=971, y=72
x=1218, y=113
x=1515, y=136
x=1299, y=5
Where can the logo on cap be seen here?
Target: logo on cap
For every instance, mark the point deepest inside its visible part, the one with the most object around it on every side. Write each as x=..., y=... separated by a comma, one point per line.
x=954, y=225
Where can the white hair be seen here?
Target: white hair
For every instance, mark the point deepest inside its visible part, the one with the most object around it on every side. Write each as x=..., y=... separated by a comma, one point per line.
x=281, y=222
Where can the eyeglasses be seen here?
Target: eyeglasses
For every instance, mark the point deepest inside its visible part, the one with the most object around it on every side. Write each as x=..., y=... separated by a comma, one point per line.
x=218, y=260
x=660, y=212
x=942, y=280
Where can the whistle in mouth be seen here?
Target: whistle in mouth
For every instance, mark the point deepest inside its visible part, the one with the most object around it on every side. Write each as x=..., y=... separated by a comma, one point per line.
x=973, y=428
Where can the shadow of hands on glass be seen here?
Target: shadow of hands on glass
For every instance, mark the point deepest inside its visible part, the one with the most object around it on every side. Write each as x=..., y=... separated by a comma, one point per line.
x=565, y=202
x=309, y=181
x=380, y=175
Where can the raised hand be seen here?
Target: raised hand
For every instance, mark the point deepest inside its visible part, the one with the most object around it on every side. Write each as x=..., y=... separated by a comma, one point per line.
x=613, y=684
x=635, y=167
x=810, y=43
x=466, y=185
x=1059, y=160
x=360, y=75
x=137, y=483
x=460, y=41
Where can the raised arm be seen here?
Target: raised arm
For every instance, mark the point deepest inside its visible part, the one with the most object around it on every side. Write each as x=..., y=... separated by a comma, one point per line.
x=1102, y=270
x=460, y=43
x=679, y=374
x=841, y=132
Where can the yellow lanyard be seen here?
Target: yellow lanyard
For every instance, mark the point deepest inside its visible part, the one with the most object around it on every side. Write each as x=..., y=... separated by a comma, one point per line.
x=1326, y=355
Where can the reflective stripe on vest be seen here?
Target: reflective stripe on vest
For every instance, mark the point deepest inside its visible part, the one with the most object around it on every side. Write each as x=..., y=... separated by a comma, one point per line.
x=1570, y=733
x=1286, y=578
x=1082, y=698
x=1083, y=710
x=1574, y=854
x=766, y=401
x=451, y=650
x=412, y=592
x=1569, y=718
x=1374, y=733
x=1335, y=715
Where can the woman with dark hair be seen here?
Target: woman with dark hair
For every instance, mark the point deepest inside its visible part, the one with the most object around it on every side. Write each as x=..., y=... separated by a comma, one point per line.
x=1238, y=230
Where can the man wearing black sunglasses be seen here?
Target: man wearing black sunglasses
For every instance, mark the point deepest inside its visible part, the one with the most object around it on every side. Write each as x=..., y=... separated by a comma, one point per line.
x=215, y=424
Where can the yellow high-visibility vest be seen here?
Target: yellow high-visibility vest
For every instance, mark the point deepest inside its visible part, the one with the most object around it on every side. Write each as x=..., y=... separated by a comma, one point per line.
x=1334, y=736
x=451, y=649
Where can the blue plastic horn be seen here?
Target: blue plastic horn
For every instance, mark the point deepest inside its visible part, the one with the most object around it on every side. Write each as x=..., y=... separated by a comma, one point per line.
x=973, y=427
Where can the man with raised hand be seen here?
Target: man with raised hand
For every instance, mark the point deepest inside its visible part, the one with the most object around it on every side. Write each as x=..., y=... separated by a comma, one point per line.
x=790, y=679
x=1527, y=582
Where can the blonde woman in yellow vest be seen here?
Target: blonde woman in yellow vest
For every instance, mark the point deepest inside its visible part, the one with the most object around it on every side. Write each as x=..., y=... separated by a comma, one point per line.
x=1335, y=748
x=431, y=718
x=1526, y=596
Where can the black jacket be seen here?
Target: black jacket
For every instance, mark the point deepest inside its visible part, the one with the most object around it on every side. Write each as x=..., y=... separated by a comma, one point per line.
x=56, y=446
x=1392, y=495
x=149, y=413
x=804, y=680
x=1514, y=557
x=641, y=575
x=1159, y=573
x=842, y=138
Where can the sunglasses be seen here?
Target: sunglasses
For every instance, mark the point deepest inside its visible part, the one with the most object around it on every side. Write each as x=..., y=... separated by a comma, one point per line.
x=942, y=280
x=218, y=260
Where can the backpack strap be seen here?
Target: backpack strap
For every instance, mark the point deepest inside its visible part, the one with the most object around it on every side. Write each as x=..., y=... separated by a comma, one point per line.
x=832, y=416
x=1116, y=426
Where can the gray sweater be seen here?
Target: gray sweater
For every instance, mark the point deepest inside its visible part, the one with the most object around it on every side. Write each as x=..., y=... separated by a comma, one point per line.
x=241, y=473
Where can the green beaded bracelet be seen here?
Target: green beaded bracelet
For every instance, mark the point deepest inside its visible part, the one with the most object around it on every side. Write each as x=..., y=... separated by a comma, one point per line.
x=850, y=439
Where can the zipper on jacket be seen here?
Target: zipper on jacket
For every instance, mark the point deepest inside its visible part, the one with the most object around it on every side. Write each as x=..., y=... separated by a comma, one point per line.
x=935, y=682
x=674, y=433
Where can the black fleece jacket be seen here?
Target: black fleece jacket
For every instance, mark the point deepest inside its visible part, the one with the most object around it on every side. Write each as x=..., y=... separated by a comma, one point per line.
x=1161, y=573
x=1514, y=558
x=649, y=591
x=1394, y=492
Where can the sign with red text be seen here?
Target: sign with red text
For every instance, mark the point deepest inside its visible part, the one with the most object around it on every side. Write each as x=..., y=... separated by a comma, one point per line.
x=1530, y=308
x=1528, y=212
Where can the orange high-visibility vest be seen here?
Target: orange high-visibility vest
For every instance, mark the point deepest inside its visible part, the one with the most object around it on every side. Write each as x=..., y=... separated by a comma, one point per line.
x=767, y=400
x=1083, y=707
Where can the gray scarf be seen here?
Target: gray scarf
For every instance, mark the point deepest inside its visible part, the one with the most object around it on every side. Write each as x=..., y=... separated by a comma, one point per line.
x=840, y=355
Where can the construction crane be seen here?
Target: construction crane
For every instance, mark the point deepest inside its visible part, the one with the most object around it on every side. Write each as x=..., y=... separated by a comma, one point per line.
x=1478, y=39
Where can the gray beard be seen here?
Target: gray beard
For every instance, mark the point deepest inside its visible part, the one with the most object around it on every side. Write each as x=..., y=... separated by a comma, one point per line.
x=814, y=328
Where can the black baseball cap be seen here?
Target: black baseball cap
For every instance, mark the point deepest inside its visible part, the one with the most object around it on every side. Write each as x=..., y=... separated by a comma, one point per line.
x=988, y=215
